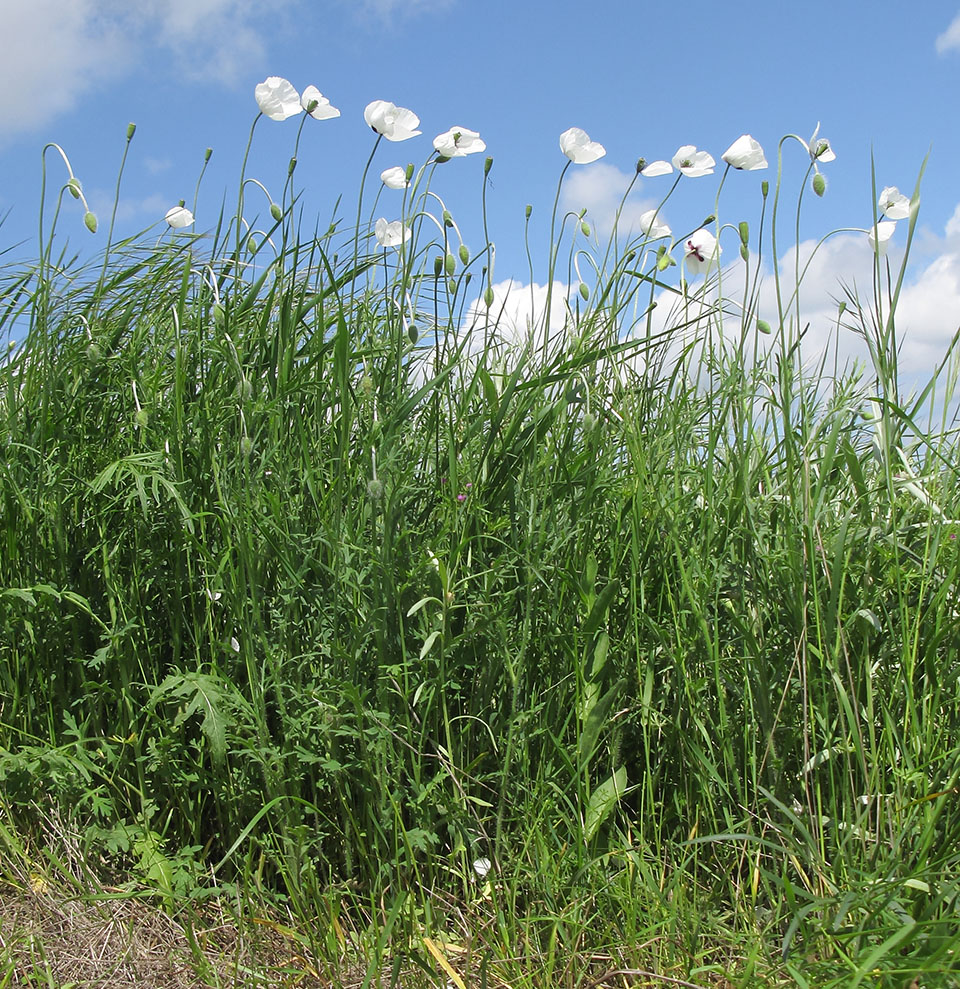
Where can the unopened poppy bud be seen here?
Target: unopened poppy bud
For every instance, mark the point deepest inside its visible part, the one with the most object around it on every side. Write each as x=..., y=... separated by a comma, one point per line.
x=412, y=334
x=763, y=326
x=745, y=252
x=589, y=422
x=744, y=232
x=366, y=385
x=664, y=262
x=276, y=212
x=74, y=187
x=409, y=172
x=528, y=211
x=487, y=165
x=447, y=218
x=584, y=292
x=464, y=254
x=246, y=446
x=219, y=314
x=452, y=286
x=207, y=154
x=585, y=228
x=468, y=279
x=131, y=130
x=291, y=166
x=641, y=165
x=819, y=184
x=252, y=245
x=374, y=489
x=488, y=297
x=90, y=221
x=710, y=219
x=764, y=188
x=437, y=266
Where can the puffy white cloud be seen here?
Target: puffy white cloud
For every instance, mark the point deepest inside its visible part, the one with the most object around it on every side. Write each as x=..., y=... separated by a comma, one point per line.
x=517, y=312
x=949, y=39
x=600, y=189
x=55, y=52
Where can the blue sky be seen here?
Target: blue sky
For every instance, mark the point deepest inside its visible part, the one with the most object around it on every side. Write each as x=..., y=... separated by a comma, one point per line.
x=642, y=79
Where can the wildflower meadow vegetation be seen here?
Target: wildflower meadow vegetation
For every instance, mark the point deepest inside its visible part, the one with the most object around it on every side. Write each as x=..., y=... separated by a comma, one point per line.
x=365, y=636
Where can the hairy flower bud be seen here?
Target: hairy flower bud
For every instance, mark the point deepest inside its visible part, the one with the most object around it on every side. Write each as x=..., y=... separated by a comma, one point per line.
x=488, y=297
x=131, y=130
x=276, y=212
x=90, y=221
x=464, y=254
x=819, y=184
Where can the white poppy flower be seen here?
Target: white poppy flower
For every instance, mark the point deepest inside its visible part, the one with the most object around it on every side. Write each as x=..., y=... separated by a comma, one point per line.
x=458, y=142
x=394, y=178
x=391, y=234
x=879, y=239
x=578, y=147
x=701, y=251
x=656, y=168
x=323, y=110
x=693, y=163
x=482, y=866
x=277, y=98
x=178, y=217
x=652, y=226
x=395, y=123
x=819, y=147
x=234, y=645
x=893, y=204
x=745, y=153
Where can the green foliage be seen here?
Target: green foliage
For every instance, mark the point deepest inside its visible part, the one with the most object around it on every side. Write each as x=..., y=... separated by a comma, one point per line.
x=303, y=588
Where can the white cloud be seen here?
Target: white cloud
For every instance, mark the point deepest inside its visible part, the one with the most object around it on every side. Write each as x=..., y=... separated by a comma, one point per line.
x=387, y=10
x=55, y=51
x=600, y=188
x=950, y=39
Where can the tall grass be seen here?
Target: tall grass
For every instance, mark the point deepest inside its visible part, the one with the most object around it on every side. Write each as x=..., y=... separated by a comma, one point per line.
x=323, y=586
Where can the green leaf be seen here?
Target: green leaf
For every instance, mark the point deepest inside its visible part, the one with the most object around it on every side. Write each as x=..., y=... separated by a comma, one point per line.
x=602, y=802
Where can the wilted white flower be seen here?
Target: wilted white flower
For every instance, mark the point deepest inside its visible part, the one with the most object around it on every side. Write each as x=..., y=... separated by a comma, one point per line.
x=893, y=204
x=578, y=147
x=277, y=98
x=395, y=123
x=652, y=226
x=391, y=234
x=819, y=147
x=458, y=142
x=745, y=153
x=213, y=596
x=656, y=168
x=879, y=238
x=693, y=163
x=323, y=110
x=178, y=216
x=234, y=645
x=394, y=178
x=701, y=251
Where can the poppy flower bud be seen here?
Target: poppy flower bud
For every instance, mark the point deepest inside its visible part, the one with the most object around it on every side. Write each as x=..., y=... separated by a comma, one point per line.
x=641, y=165
x=207, y=154
x=487, y=165
x=131, y=130
x=584, y=292
x=437, y=266
x=276, y=212
x=819, y=184
x=447, y=218
x=412, y=334
x=74, y=187
x=246, y=446
x=90, y=221
x=488, y=297
x=585, y=228
x=374, y=489
x=464, y=254
x=452, y=286
x=528, y=211
x=744, y=232
x=764, y=188
x=745, y=252
x=409, y=172
x=291, y=166
x=764, y=327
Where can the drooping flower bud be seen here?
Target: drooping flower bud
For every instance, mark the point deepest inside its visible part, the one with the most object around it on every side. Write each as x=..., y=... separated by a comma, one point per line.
x=74, y=187
x=488, y=297
x=464, y=254
x=585, y=228
x=763, y=326
x=819, y=184
x=584, y=292
x=276, y=212
x=90, y=221
x=450, y=264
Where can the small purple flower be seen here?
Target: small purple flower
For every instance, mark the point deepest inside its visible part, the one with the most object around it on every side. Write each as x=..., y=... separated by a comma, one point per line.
x=461, y=497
